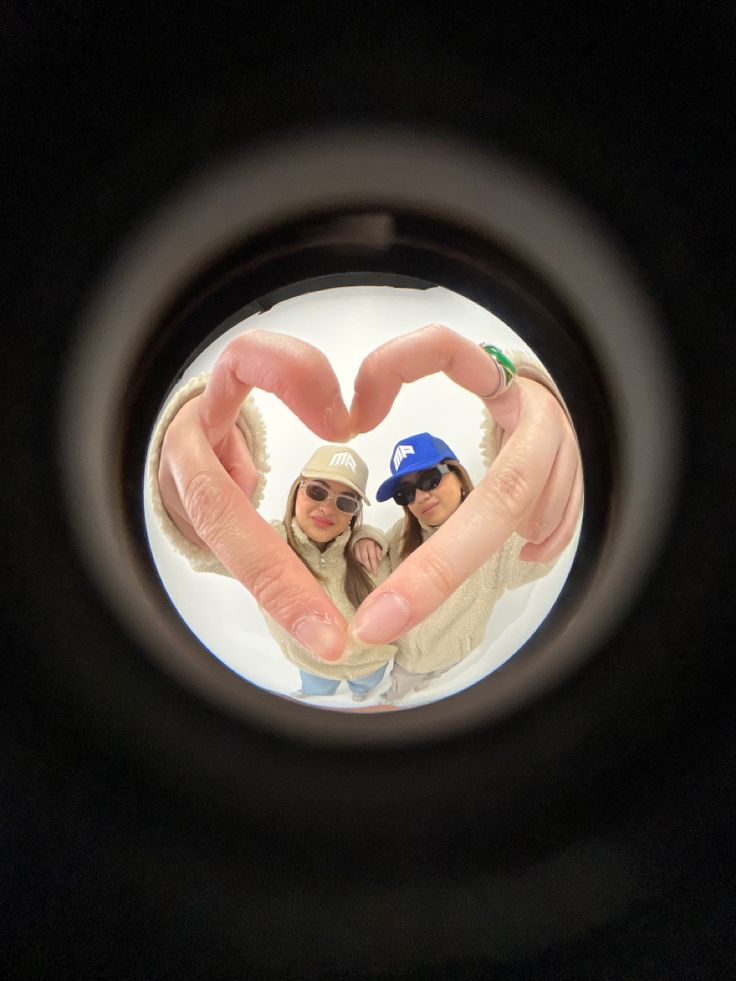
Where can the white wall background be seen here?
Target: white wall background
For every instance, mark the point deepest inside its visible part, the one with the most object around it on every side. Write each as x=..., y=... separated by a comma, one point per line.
x=347, y=323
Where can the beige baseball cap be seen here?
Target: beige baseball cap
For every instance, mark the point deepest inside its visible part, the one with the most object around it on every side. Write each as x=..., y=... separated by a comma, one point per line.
x=339, y=463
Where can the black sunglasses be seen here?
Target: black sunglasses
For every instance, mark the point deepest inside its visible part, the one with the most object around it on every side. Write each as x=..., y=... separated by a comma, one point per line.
x=426, y=481
x=343, y=502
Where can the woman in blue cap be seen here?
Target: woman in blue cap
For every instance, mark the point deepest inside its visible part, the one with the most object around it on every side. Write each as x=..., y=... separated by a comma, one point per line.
x=430, y=484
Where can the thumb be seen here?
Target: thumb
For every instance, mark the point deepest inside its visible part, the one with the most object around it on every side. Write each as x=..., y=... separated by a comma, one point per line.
x=255, y=555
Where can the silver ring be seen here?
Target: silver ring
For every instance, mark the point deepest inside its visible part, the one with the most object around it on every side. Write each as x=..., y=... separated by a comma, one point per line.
x=506, y=369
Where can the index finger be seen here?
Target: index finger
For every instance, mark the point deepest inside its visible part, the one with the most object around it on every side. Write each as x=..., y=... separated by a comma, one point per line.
x=412, y=356
x=296, y=372
x=467, y=539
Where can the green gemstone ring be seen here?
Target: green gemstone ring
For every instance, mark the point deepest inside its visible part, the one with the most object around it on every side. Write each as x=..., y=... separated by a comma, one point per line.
x=506, y=365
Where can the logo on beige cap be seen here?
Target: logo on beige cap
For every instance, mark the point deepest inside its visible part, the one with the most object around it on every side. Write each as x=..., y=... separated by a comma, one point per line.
x=343, y=460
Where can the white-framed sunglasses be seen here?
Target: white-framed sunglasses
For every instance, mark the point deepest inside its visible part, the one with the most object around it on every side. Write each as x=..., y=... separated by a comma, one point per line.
x=343, y=502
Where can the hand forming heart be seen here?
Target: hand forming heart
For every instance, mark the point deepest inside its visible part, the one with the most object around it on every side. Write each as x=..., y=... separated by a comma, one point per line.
x=207, y=478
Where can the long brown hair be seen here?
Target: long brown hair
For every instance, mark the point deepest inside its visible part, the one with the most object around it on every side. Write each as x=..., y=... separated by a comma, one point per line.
x=411, y=533
x=357, y=584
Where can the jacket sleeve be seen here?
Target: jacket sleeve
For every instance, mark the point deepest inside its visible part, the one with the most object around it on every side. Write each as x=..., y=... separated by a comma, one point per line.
x=394, y=544
x=250, y=423
x=512, y=572
x=368, y=531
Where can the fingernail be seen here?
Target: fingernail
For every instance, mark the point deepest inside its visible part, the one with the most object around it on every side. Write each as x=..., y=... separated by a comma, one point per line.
x=321, y=637
x=381, y=619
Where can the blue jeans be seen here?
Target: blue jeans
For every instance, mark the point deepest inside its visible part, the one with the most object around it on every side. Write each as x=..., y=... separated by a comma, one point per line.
x=312, y=684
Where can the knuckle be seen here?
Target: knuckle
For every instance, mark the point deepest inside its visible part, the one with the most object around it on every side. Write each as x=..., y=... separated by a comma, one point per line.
x=267, y=587
x=508, y=491
x=249, y=340
x=443, y=338
x=236, y=352
x=302, y=372
x=540, y=522
x=254, y=337
x=535, y=531
x=440, y=331
x=232, y=352
x=370, y=370
x=440, y=573
x=205, y=503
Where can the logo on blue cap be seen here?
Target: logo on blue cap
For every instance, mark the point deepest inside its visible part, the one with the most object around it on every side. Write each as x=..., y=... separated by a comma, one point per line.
x=410, y=455
x=400, y=453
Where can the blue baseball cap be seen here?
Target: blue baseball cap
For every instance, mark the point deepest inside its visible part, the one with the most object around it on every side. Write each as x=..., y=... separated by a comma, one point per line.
x=411, y=454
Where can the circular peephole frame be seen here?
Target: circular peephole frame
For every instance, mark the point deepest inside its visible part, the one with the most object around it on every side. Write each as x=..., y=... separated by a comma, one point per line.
x=344, y=208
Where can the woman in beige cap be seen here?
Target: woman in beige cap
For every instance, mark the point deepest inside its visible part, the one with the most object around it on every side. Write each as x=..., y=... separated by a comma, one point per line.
x=322, y=518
